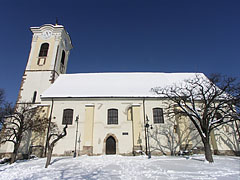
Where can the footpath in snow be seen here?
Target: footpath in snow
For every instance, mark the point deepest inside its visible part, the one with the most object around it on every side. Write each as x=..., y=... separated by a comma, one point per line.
x=124, y=167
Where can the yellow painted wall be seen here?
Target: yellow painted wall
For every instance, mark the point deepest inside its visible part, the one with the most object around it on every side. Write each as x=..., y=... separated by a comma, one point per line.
x=137, y=124
x=34, y=60
x=88, y=126
x=183, y=129
x=213, y=140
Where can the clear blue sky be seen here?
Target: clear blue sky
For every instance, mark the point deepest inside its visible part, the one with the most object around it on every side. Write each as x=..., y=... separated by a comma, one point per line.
x=126, y=35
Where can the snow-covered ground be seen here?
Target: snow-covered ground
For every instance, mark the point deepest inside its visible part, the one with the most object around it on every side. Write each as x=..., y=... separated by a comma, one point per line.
x=124, y=167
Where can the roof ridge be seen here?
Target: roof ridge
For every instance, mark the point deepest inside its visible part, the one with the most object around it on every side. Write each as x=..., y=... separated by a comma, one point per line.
x=98, y=73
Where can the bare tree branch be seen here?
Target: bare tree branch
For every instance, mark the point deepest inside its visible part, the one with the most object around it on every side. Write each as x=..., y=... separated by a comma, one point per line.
x=54, y=137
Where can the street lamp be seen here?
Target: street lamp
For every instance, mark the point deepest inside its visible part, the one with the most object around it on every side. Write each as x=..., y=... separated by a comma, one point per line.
x=75, y=151
x=147, y=126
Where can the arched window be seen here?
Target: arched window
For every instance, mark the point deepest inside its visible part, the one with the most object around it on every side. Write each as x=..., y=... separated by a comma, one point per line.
x=112, y=116
x=43, y=50
x=63, y=57
x=67, y=116
x=158, y=115
x=34, y=97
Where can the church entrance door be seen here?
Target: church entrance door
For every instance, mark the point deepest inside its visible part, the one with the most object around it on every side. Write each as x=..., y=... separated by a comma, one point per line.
x=110, y=145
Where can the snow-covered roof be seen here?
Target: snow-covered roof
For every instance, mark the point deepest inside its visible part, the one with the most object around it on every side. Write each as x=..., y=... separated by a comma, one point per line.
x=113, y=84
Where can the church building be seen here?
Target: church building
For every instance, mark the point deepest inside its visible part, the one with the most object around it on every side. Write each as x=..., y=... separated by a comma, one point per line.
x=106, y=113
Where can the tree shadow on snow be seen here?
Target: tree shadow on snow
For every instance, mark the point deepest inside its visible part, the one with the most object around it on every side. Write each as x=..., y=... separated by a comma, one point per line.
x=58, y=159
x=193, y=158
x=196, y=159
x=80, y=175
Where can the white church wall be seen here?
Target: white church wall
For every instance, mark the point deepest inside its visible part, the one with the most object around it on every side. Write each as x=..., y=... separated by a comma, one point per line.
x=123, y=131
x=6, y=148
x=67, y=144
x=101, y=130
x=100, y=127
x=161, y=145
x=40, y=85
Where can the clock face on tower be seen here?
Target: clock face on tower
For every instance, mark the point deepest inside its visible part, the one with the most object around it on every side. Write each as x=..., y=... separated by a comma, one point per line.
x=47, y=34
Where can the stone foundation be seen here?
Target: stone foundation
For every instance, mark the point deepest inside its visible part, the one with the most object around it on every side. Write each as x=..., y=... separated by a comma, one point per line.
x=37, y=150
x=226, y=152
x=137, y=150
x=2, y=155
x=87, y=150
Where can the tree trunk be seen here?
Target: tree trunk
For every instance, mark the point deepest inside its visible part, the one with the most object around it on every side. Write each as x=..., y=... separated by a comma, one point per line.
x=51, y=146
x=208, y=152
x=13, y=156
x=15, y=152
x=49, y=156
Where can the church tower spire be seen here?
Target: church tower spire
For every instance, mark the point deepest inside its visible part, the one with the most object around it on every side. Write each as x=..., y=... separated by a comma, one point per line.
x=48, y=58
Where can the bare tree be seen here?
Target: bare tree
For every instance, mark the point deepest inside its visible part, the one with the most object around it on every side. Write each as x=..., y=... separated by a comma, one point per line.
x=54, y=136
x=2, y=96
x=208, y=103
x=17, y=123
x=5, y=107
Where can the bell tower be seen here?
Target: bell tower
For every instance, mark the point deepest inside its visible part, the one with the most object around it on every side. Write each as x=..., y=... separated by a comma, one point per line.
x=48, y=58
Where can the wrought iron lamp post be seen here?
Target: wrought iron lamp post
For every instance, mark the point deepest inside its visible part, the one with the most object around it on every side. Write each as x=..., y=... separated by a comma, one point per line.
x=75, y=151
x=147, y=126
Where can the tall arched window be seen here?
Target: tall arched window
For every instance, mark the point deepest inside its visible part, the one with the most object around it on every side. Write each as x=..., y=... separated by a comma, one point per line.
x=43, y=50
x=63, y=57
x=34, y=97
x=158, y=115
x=67, y=116
x=112, y=116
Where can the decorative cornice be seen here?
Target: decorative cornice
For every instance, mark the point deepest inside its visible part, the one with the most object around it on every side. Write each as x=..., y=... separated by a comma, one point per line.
x=47, y=31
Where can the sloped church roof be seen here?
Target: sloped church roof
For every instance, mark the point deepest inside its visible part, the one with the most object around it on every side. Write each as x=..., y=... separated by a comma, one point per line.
x=112, y=84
